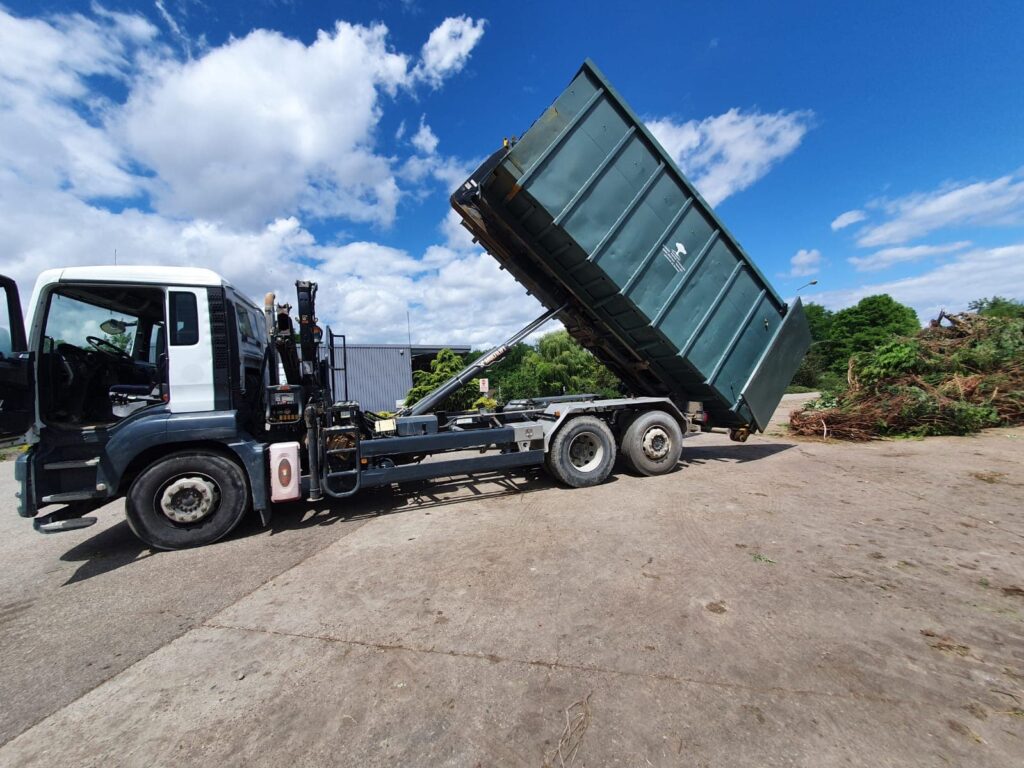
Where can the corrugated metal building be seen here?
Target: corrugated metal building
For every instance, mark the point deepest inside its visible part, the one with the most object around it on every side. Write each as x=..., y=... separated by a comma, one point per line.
x=380, y=375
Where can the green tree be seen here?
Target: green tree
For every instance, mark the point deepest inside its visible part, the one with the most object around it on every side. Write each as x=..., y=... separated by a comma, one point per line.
x=819, y=319
x=870, y=322
x=997, y=306
x=556, y=366
x=122, y=341
x=442, y=368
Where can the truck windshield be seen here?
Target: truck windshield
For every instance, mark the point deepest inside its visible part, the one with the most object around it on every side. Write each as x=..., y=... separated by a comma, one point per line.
x=72, y=321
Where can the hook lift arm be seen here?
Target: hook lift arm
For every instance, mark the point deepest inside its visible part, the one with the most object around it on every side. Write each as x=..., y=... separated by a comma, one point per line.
x=471, y=370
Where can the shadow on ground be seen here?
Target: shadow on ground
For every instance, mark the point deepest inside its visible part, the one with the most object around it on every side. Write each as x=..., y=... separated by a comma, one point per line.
x=108, y=550
x=116, y=547
x=739, y=453
x=420, y=495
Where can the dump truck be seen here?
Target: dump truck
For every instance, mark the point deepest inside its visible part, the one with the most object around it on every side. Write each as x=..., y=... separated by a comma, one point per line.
x=169, y=387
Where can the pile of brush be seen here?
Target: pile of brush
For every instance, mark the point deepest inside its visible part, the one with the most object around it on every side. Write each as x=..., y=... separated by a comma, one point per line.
x=963, y=373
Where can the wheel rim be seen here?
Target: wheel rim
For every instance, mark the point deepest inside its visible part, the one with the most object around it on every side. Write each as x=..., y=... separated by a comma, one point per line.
x=586, y=451
x=656, y=443
x=188, y=498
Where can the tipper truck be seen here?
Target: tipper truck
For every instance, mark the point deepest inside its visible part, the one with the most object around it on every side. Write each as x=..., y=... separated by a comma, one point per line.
x=170, y=388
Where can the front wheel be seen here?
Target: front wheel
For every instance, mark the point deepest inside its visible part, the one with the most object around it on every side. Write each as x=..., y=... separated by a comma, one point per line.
x=187, y=499
x=653, y=443
x=582, y=453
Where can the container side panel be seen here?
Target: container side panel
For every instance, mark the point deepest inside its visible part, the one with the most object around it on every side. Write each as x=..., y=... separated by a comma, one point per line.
x=607, y=197
x=684, y=313
x=739, y=364
x=713, y=339
x=543, y=133
x=638, y=234
x=565, y=173
x=671, y=263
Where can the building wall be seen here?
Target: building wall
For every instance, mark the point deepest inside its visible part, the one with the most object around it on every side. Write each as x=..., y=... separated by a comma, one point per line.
x=378, y=375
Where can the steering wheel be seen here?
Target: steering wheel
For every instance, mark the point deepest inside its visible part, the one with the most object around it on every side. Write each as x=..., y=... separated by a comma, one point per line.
x=110, y=350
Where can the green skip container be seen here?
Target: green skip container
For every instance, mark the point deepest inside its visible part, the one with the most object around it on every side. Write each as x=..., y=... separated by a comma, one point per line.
x=587, y=209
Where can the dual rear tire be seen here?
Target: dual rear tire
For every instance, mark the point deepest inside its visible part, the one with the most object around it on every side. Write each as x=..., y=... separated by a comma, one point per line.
x=652, y=443
x=582, y=453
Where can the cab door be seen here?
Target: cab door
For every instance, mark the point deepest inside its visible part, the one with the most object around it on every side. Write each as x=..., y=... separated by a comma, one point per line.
x=17, y=393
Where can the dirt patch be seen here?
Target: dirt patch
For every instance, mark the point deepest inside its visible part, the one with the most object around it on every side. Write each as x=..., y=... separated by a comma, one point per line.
x=963, y=730
x=946, y=644
x=989, y=477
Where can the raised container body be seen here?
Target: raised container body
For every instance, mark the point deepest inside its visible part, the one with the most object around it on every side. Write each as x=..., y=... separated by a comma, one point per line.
x=588, y=208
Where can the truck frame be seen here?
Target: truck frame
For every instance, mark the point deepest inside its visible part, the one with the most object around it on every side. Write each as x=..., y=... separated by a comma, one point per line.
x=185, y=419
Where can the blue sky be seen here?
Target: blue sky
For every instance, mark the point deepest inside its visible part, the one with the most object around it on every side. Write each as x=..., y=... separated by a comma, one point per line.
x=263, y=139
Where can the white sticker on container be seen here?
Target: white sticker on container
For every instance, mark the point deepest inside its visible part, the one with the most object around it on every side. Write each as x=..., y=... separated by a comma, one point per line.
x=674, y=256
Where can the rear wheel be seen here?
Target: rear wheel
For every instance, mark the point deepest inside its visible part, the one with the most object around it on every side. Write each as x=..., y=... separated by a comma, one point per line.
x=187, y=499
x=582, y=452
x=653, y=443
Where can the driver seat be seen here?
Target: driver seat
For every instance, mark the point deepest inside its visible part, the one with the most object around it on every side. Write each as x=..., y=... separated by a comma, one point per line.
x=151, y=389
x=141, y=390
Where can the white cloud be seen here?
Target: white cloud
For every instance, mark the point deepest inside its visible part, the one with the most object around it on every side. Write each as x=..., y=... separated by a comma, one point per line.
x=972, y=275
x=889, y=256
x=266, y=125
x=427, y=163
x=999, y=202
x=456, y=236
x=425, y=140
x=176, y=29
x=51, y=124
x=259, y=127
x=448, y=48
x=456, y=293
x=725, y=154
x=805, y=263
x=237, y=150
x=846, y=219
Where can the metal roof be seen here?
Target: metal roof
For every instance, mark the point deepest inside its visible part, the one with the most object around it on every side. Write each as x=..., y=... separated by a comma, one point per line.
x=416, y=349
x=158, y=275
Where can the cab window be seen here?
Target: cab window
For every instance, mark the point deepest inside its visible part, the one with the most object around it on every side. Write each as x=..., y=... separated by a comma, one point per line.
x=184, y=318
x=244, y=323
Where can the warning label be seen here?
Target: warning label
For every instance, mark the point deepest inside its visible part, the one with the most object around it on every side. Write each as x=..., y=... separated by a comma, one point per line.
x=675, y=257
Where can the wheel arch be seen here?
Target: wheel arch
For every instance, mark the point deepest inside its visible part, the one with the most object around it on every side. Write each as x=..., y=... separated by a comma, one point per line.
x=154, y=453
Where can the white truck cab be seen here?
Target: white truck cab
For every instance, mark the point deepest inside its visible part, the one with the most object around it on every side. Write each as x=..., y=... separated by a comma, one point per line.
x=118, y=361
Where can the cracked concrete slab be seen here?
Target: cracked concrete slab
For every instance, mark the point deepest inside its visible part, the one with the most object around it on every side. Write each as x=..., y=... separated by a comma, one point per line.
x=264, y=699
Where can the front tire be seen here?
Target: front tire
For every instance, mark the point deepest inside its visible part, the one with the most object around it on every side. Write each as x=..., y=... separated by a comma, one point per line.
x=187, y=499
x=582, y=453
x=653, y=443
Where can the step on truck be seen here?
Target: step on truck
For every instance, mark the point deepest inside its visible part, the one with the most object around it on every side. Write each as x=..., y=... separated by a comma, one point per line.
x=170, y=388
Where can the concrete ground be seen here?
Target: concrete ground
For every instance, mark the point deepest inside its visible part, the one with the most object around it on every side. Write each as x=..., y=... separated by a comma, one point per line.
x=771, y=603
